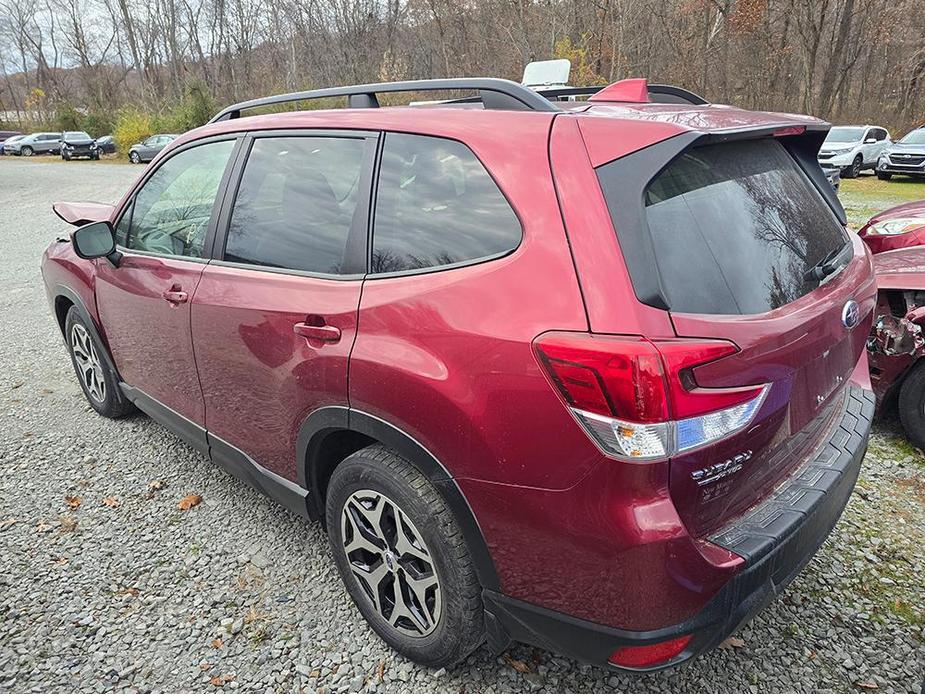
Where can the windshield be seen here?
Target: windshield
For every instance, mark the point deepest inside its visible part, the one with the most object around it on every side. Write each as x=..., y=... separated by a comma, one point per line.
x=77, y=135
x=916, y=137
x=843, y=134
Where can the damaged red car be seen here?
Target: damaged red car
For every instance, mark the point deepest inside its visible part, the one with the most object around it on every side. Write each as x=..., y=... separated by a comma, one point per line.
x=898, y=227
x=897, y=341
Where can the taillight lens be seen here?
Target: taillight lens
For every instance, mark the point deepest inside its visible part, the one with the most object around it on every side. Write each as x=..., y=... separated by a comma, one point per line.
x=637, y=398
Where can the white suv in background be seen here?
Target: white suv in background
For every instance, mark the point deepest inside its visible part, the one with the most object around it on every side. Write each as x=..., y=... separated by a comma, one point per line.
x=853, y=148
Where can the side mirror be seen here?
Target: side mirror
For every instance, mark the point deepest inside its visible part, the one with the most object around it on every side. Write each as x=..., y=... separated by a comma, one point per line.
x=870, y=141
x=95, y=240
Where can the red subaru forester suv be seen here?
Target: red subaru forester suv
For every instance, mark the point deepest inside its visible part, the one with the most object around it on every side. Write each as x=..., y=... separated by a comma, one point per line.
x=586, y=374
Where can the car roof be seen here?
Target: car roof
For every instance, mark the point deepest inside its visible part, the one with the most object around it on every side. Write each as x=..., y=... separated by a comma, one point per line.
x=675, y=117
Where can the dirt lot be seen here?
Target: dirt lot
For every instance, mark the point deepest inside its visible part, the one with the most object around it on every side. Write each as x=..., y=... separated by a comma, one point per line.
x=105, y=585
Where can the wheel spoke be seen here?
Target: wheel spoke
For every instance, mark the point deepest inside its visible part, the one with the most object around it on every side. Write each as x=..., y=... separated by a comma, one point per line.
x=373, y=578
x=406, y=544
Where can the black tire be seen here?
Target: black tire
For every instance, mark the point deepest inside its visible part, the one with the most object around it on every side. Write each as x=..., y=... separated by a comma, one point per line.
x=912, y=405
x=65, y=157
x=460, y=627
x=27, y=151
x=95, y=157
x=883, y=176
x=134, y=158
x=854, y=170
x=113, y=404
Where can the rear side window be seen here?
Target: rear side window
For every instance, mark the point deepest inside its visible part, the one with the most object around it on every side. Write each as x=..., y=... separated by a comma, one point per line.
x=734, y=227
x=296, y=203
x=437, y=205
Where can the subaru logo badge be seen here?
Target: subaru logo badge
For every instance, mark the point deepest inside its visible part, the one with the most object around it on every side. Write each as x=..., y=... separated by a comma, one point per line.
x=850, y=314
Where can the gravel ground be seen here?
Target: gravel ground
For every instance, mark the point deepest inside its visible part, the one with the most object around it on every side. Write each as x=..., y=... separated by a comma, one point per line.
x=106, y=585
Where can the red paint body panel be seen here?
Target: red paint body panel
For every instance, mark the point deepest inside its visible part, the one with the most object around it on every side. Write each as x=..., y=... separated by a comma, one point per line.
x=881, y=243
x=639, y=567
x=78, y=213
x=149, y=337
x=447, y=356
x=259, y=378
x=901, y=269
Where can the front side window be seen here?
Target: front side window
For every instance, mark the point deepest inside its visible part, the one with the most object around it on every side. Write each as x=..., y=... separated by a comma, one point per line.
x=437, y=205
x=296, y=203
x=170, y=213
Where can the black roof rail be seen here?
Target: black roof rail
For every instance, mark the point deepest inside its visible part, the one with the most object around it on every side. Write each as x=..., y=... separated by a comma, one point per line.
x=494, y=93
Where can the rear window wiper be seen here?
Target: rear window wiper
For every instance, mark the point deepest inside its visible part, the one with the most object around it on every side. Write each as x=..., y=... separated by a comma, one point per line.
x=827, y=266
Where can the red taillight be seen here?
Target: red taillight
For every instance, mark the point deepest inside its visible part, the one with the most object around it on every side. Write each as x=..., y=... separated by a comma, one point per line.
x=638, y=399
x=616, y=378
x=647, y=656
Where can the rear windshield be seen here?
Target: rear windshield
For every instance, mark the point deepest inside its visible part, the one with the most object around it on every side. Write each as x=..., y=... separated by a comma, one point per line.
x=734, y=227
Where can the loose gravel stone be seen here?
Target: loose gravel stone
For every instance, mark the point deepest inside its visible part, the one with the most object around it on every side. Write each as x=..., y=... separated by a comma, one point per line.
x=238, y=593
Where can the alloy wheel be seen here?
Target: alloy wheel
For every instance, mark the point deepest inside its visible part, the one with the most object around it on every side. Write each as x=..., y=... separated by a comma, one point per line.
x=88, y=363
x=391, y=563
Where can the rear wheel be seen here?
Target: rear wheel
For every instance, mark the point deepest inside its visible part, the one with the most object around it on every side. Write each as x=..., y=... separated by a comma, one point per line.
x=98, y=382
x=402, y=556
x=134, y=158
x=912, y=405
x=883, y=176
x=854, y=170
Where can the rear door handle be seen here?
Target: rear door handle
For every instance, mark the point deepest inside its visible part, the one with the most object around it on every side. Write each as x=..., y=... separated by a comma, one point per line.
x=325, y=333
x=175, y=296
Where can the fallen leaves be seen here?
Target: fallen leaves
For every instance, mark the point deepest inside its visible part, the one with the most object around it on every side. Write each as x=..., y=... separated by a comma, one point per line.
x=67, y=524
x=60, y=561
x=128, y=591
x=72, y=501
x=42, y=527
x=111, y=501
x=732, y=642
x=380, y=671
x=216, y=643
x=8, y=523
x=188, y=501
x=867, y=685
x=221, y=680
x=518, y=665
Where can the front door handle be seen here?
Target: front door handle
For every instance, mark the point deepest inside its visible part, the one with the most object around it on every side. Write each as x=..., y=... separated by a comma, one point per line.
x=176, y=296
x=325, y=333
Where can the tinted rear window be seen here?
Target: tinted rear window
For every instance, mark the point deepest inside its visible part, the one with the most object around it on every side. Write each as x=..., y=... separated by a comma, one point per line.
x=734, y=227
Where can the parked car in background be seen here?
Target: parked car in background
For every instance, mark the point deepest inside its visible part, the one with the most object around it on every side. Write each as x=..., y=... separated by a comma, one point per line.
x=9, y=141
x=898, y=227
x=897, y=341
x=106, y=144
x=608, y=390
x=833, y=176
x=853, y=148
x=76, y=144
x=147, y=150
x=907, y=156
x=36, y=143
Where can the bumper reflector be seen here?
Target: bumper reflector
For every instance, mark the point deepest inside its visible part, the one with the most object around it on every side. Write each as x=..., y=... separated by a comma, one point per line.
x=648, y=656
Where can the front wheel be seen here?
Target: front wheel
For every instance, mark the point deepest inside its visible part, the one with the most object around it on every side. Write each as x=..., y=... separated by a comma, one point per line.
x=27, y=151
x=403, y=558
x=65, y=157
x=883, y=176
x=97, y=380
x=912, y=405
x=134, y=158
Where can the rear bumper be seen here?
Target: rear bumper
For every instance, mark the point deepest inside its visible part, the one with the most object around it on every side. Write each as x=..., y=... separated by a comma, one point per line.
x=777, y=539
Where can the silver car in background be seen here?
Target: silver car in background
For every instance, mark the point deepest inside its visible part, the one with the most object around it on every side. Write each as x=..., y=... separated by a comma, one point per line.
x=36, y=143
x=853, y=148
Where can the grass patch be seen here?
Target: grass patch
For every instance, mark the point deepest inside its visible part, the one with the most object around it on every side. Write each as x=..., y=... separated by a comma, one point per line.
x=865, y=196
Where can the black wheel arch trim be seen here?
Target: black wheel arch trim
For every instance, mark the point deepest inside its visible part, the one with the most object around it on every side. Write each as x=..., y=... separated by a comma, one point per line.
x=328, y=420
